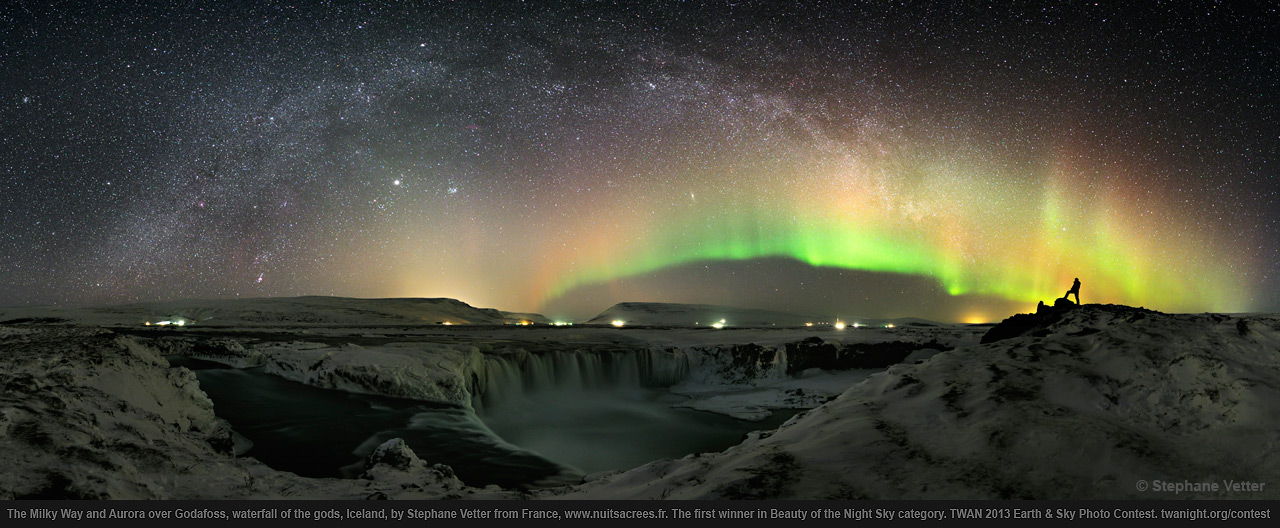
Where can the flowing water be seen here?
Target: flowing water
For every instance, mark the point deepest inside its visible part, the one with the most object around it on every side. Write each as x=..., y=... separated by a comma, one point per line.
x=532, y=434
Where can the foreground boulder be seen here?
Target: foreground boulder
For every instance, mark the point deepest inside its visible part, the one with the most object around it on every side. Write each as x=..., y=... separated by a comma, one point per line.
x=395, y=462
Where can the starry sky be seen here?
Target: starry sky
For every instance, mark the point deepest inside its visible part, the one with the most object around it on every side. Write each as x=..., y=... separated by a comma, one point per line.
x=877, y=159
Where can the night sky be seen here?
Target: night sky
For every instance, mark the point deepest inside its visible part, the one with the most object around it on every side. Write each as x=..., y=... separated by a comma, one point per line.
x=893, y=158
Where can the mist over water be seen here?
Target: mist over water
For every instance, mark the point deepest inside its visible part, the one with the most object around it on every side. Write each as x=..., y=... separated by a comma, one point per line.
x=596, y=430
x=600, y=410
x=533, y=435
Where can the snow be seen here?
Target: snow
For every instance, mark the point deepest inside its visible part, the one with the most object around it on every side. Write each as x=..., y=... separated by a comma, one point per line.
x=1103, y=398
x=672, y=314
x=758, y=400
x=524, y=318
x=420, y=371
x=89, y=414
x=444, y=364
x=704, y=315
x=743, y=380
x=1077, y=404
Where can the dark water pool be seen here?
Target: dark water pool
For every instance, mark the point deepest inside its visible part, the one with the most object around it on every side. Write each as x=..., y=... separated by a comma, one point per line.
x=602, y=430
x=327, y=433
x=541, y=439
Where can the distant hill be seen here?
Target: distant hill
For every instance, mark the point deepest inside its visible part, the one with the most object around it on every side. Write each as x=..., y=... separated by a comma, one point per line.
x=524, y=317
x=674, y=314
x=269, y=311
x=677, y=314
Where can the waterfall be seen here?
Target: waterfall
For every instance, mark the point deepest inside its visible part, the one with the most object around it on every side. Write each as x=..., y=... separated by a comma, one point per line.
x=500, y=379
x=778, y=368
x=514, y=373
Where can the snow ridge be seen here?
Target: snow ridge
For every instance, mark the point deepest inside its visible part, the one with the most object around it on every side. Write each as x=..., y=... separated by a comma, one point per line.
x=1097, y=400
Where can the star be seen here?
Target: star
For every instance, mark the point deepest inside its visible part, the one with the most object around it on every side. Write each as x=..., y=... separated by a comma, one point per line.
x=949, y=160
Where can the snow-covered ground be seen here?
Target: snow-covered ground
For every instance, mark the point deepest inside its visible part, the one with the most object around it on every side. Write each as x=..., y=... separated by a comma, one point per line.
x=1094, y=404
x=742, y=373
x=703, y=315
x=89, y=414
x=1077, y=403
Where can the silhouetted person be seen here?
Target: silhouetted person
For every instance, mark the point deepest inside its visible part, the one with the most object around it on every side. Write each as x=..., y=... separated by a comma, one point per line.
x=1075, y=290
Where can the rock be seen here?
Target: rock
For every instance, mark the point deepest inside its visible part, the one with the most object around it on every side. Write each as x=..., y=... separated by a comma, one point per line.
x=90, y=414
x=1108, y=396
x=1041, y=323
x=394, y=463
x=1022, y=324
x=444, y=471
x=814, y=353
x=736, y=364
x=395, y=453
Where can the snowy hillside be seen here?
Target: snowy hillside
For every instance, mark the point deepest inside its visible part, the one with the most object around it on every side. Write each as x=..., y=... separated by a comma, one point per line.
x=107, y=419
x=1068, y=403
x=518, y=318
x=1092, y=402
x=673, y=314
x=312, y=310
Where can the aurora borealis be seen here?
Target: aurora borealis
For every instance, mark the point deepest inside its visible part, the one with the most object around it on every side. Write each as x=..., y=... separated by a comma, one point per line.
x=951, y=226
x=873, y=159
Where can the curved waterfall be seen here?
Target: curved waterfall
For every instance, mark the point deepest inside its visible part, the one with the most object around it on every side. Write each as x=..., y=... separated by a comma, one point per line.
x=502, y=375
x=515, y=373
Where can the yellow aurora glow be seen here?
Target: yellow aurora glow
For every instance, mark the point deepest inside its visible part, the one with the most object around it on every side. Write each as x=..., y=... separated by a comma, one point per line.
x=977, y=227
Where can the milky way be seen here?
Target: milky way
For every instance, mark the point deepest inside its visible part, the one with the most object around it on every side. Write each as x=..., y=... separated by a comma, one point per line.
x=559, y=156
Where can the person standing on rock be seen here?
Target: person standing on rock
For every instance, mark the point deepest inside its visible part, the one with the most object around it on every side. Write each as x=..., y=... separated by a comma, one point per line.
x=1075, y=289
